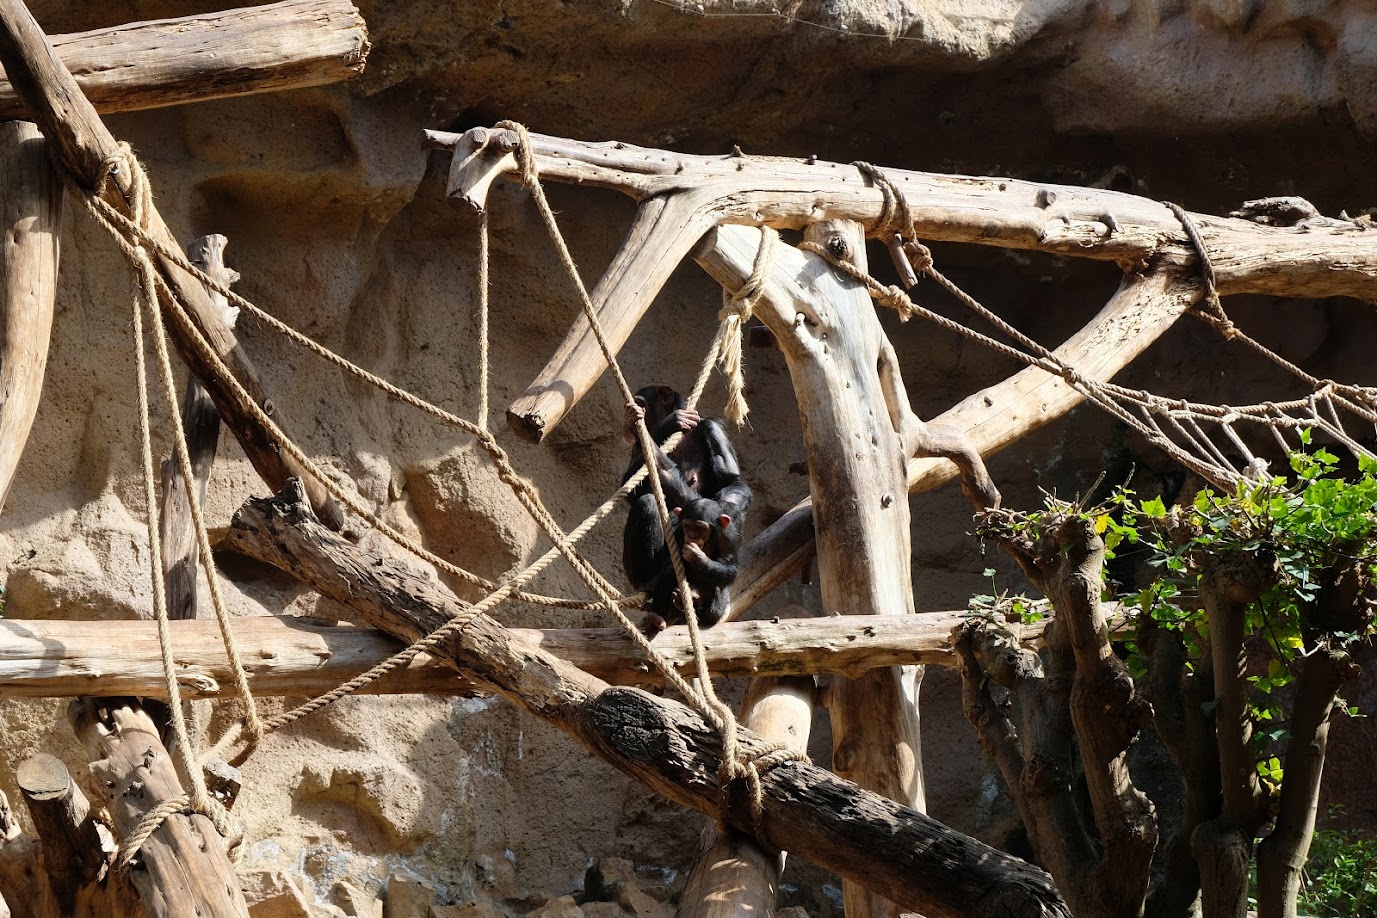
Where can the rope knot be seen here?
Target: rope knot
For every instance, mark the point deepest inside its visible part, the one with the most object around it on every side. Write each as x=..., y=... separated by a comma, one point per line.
x=895, y=298
x=736, y=309
x=919, y=255
x=525, y=155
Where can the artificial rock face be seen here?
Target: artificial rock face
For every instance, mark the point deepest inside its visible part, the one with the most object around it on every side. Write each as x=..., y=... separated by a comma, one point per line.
x=337, y=222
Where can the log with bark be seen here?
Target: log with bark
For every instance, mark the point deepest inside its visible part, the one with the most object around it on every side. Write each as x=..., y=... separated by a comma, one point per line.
x=30, y=208
x=80, y=143
x=77, y=875
x=238, y=52
x=896, y=851
x=182, y=868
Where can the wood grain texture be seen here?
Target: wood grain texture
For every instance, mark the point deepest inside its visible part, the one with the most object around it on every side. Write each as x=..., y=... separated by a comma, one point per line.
x=238, y=52
x=183, y=866
x=30, y=208
x=734, y=875
x=1142, y=309
x=201, y=426
x=285, y=655
x=830, y=335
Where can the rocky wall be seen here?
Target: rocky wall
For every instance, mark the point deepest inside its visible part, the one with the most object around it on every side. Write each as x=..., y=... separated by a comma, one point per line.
x=338, y=223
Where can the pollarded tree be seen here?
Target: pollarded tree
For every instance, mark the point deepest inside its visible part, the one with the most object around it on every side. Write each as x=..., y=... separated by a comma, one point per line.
x=1241, y=646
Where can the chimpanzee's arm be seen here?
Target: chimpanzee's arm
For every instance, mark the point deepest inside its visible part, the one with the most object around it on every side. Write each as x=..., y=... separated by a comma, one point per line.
x=704, y=570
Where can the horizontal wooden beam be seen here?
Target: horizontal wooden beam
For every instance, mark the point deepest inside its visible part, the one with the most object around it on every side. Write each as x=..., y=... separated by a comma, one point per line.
x=288, y=45
x=301, y=656
x=1317, y=258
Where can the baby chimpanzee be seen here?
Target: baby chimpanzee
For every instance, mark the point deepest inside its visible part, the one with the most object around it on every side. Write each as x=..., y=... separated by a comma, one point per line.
x=703, y=485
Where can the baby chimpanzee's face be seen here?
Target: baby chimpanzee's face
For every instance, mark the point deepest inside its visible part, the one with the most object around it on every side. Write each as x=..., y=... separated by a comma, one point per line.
x=698, y=532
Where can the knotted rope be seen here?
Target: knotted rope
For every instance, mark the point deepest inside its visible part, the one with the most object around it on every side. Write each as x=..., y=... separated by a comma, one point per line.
x=737, y=309
x=199, y=799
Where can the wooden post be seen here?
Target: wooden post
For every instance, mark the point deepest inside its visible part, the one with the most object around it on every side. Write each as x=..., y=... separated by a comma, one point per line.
x=75, y=848
x=734, y=875
x=183, y=867
x=833, y=343
x=201, y=425
x=288, y=45
x=82, y=145
x=1142, y=309
x=30, y=207
x=897, y=851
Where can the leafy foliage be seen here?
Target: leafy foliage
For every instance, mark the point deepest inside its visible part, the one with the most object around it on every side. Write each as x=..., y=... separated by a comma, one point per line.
x=1297, y=530
x=1341, y=875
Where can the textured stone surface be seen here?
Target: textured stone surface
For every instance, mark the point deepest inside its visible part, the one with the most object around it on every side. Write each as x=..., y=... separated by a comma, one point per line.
x=338, y=224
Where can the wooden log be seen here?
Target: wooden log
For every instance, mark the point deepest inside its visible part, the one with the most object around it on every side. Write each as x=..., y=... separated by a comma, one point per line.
x=899, y=852
x=734, y=875
x=201, y=426
x=285, y=655
x=863, y=521
x=182, y=868
x=75, y=856
x=80, y=143
x=1335, y=259
x=1142, y=309
x=289, y=45
x=30, y=208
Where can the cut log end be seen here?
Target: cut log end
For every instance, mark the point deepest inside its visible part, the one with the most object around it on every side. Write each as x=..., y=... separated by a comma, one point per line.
x=527, y=423
x=43, y=777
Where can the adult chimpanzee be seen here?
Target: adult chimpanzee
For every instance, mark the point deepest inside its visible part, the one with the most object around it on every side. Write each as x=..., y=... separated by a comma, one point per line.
x=703, y=486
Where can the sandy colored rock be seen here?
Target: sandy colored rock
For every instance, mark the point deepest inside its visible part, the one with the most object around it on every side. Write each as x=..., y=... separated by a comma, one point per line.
x=641, y=904
x=408, y=897
x=562, y=907
x=467, y=910
x=356, y=901
x=276, y=894
x=603, y=910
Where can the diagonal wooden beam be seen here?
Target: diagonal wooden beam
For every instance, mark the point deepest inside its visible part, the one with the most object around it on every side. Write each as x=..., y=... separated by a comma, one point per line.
x=900, y=853
x=81, y=144
x=288, y=45
x=1142, y=309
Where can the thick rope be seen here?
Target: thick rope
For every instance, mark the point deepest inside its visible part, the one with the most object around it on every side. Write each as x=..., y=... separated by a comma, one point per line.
x=713, y=712
x=736, y=311
x=122, y=229
x=705, y=699
x=152, y=820
x=199, y=799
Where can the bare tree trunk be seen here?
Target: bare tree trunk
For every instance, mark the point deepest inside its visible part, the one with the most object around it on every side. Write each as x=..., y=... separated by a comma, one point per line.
x=1075, y=703
x=184, y=867
x=858, y=496
x=1224, y=846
